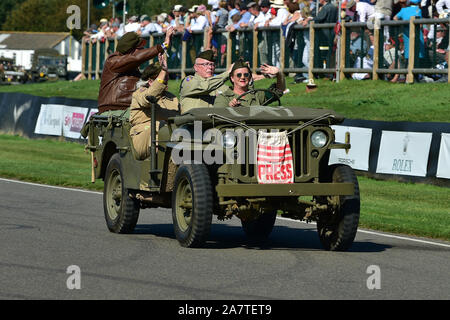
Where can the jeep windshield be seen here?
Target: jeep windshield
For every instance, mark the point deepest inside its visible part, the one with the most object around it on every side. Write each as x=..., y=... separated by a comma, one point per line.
x=51, y=61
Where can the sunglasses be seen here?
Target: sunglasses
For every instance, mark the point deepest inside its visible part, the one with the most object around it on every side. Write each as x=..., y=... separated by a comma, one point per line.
x=211, y=65
x=245, y=75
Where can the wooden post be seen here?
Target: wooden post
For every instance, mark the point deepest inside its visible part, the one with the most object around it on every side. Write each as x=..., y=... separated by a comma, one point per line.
x=183, y=58
x=448, y=68
x=376, y=53
x=152, y=41
x=106, y=48
x=255, y=50
x=205, y=38
x=229, y=50
x=342, y=51
x=97, y=60
x=311, y=50
x=83, y=57
x=90, y=62
x=411, y=54
x=282, y=51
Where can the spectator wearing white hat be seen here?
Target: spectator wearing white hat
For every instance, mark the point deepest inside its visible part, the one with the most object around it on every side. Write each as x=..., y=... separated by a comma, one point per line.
x=178, y=22
x=282, y=13
x=133, y=25
x=147, y=26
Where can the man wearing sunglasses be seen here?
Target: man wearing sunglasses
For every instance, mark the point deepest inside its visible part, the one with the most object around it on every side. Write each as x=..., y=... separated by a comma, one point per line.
x=201, y=89
x=241, y=78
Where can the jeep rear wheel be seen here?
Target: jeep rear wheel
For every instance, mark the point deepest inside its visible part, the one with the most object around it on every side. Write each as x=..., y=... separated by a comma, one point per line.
x=260, y=228
x=337, y=228
x=192, y=205
x=121, y=211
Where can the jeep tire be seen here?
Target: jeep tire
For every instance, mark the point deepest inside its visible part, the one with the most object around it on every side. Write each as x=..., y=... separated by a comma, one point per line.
x=337, y=230
x=192, y=205
x=121, y=211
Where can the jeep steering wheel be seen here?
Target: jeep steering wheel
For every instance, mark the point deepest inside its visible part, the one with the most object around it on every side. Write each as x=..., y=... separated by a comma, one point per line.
x=275, y=97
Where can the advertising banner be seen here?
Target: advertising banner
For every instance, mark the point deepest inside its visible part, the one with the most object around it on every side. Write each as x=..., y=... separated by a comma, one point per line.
x=358, y=155
x=73, y=121
x=443, y=168
x=404, y=153
x=50, y=120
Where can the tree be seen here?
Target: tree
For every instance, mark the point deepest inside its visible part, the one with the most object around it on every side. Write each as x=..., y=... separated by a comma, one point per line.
x=49, y=16
x=6, y=6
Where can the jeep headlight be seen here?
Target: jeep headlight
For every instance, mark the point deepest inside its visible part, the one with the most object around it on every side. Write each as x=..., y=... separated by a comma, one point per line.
x=43, y=70
x=319, y=139
x=228, y=140
x=61, y=71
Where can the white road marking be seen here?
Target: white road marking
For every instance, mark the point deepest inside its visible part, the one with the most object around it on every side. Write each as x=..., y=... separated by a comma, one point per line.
x=51, y=187
x=281, y=218
x=380, y=234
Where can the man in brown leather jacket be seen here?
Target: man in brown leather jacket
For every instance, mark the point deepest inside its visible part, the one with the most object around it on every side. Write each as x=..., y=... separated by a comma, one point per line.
x=121, y=70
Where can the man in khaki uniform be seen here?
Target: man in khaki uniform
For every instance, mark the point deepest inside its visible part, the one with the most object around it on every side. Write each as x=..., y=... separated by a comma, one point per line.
x=201, y=89
x=153, y=83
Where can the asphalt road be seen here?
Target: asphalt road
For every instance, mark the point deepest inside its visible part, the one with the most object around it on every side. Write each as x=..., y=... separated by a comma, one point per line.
x=45, y=230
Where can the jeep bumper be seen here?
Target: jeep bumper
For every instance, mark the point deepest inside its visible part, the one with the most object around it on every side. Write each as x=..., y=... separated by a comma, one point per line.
x=282, y=190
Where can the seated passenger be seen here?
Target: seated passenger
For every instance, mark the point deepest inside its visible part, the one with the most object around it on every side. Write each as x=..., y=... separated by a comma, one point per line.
x=240, y=77
x=201, y=89
x=153, y=83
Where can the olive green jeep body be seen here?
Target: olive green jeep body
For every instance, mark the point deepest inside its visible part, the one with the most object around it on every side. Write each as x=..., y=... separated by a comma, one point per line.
x=48, y=64
x=196, y=189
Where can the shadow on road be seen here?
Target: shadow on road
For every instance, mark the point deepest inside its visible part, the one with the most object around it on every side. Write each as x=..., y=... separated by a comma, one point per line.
x=225, y=236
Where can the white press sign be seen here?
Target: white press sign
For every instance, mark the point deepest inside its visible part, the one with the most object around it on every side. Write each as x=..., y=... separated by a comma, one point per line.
x=443, y=168
x=358, y=155
x=404, y=153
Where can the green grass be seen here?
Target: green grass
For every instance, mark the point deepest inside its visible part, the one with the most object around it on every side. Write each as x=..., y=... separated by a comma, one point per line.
x=370, y=100
x=46, y=161
x=415, y=209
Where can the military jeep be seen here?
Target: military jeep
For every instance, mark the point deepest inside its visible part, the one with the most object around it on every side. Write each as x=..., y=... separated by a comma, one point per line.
x=11, y=73
x=48, y=64
x=196, y=189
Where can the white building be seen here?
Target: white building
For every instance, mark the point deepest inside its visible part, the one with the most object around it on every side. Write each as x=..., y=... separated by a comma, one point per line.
x=20, y=46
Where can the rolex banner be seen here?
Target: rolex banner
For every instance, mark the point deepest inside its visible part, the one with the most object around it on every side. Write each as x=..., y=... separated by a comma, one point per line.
x=443, y=168
x=358, y=155
x=404, y=153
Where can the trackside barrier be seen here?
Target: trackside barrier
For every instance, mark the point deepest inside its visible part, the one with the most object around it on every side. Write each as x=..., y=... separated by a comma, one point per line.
x=311, y=50
x=408, y=151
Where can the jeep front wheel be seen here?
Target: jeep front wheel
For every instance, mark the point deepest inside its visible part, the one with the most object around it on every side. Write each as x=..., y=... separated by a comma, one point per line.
x=337, y=228
x=192, y=205
x=121, y=211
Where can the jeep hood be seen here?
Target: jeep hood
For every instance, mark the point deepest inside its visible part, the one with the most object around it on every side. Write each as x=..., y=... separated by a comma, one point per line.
x=258, y=115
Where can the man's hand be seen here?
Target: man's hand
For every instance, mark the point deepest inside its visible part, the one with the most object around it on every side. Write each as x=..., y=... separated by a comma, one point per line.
x=271, y=71
x=163, y=61
x=169, y=33
x=234, y=103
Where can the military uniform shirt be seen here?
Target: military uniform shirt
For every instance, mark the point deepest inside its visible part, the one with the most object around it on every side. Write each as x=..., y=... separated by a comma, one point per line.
x=140, y=114
x=251, y=99
x=198, y=92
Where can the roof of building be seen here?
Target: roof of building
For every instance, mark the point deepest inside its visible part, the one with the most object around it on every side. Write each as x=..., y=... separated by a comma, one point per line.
x=19, y=40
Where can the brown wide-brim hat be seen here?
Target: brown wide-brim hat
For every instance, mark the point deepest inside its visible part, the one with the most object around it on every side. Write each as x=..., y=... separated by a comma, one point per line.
x=129, y=41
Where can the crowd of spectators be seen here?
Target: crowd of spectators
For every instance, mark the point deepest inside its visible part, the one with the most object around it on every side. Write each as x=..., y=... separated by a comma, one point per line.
x=231, y=15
